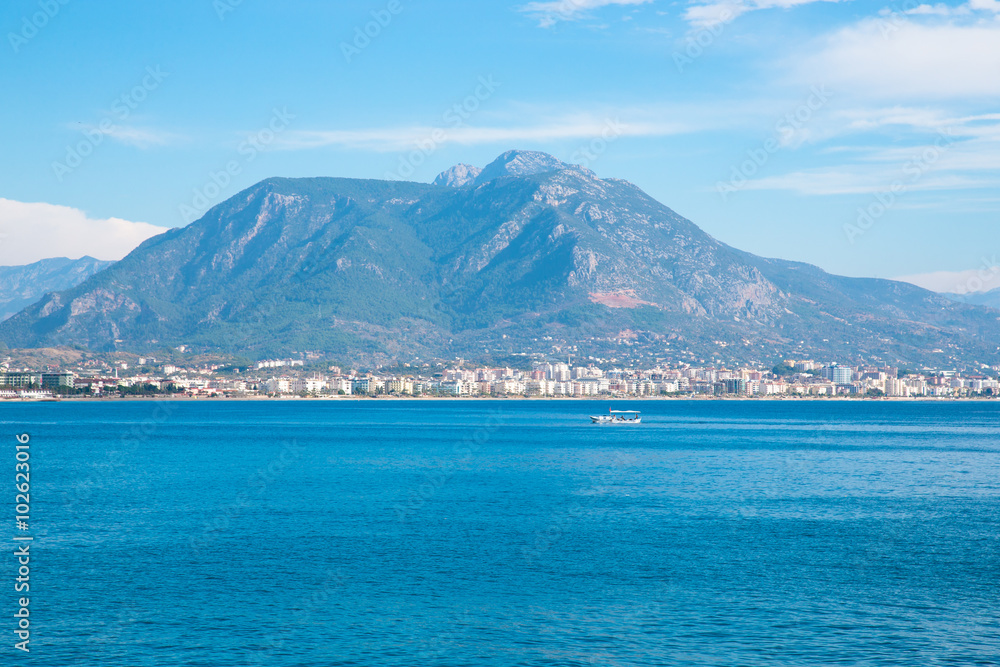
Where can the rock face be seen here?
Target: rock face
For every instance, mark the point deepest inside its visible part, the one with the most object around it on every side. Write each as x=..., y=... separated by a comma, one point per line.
x=520, y=163
x=23, y=285
x=532, y=253
x=458, y=176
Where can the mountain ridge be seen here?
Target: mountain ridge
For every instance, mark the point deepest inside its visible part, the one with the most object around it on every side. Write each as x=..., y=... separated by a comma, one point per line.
x=524, y=260
x=989, y=298
x=23, y=284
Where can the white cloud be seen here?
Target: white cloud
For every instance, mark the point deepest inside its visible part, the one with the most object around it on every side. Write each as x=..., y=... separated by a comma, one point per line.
x=898, y=58
x=131, y=135
x=983, y=279
x=914, y=95
x=709, y=14
x=33, y=231
x=550, y=13
x=935, y=10
x=986, y=5
x=715, y=13
x=405, y=138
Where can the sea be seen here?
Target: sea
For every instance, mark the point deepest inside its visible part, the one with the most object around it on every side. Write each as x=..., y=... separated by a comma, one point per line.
x=505, y=532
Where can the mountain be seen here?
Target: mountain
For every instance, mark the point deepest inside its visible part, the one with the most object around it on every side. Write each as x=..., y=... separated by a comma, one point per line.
x=534, y=256
x=458, y=176
x=990, y=299
x=22, y=285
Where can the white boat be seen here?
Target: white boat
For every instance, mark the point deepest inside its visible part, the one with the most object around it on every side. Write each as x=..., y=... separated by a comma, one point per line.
x=617, y=417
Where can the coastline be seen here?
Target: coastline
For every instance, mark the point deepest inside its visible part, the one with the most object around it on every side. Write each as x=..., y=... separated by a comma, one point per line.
x=385, y=397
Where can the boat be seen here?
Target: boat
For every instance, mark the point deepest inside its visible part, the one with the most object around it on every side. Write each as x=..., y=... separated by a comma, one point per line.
x=618, y=417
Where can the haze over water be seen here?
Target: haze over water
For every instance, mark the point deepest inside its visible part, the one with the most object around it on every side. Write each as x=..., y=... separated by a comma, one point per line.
x=513, y=533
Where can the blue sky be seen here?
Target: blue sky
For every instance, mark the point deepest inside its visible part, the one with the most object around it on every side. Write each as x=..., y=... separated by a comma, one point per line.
x=863, y=137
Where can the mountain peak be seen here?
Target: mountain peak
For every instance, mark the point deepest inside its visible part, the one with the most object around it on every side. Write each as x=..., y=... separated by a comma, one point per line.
x=520, y=163
x=458, y=176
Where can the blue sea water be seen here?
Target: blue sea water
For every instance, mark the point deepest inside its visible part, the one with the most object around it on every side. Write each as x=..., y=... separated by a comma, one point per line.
x=452, y=533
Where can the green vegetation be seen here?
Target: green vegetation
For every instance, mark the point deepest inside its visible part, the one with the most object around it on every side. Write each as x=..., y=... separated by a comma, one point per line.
x=70, y=391
x=146, y=390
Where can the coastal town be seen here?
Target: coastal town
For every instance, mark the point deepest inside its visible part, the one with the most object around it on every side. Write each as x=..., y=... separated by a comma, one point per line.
x=288, y=378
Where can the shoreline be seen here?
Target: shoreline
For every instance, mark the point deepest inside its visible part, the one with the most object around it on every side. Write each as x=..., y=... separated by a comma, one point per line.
x=383, y=397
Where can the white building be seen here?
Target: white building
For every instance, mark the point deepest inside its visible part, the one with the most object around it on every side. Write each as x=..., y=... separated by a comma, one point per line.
x=282, y=385
x=311, y=385
x=338, y=385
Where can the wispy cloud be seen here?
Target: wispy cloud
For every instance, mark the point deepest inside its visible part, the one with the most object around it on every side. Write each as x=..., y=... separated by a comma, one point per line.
x=550, y=13
x=139, y=137
x=843, y=181
x=403, y=138
x=714, y=12
x=907, y=127
x=942, y=9
x=915, y=103
x=923, y=149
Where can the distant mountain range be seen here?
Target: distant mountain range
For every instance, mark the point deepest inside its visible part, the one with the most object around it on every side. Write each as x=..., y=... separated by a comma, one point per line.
x=527, y=255
x=990, y=299
x=21, y=286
